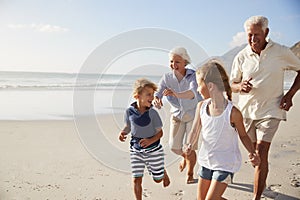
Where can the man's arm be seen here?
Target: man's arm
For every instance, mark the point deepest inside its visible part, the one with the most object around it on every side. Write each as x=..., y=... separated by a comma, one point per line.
x=287, y=100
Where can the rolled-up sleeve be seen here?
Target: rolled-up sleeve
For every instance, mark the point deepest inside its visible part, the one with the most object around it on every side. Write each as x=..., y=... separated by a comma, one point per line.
x=236, y=74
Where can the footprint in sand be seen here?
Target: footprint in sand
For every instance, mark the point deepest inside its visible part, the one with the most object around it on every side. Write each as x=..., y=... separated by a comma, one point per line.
x=179, y=193
x=146, y=193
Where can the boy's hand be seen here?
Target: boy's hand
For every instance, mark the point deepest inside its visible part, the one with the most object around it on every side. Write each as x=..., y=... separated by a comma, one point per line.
x=145, y=142
x=122, y=136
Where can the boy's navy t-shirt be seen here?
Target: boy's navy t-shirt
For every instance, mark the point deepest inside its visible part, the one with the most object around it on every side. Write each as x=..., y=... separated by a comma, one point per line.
x=141, y=126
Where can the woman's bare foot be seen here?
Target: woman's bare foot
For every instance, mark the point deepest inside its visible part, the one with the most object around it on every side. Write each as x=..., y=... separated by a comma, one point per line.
x=182, y=165
x=190, y=179
x=166, y=180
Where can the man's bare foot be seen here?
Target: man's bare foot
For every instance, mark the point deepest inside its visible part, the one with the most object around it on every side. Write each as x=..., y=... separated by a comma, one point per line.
x=182, y=165
x=166, y=180
x=190, y=179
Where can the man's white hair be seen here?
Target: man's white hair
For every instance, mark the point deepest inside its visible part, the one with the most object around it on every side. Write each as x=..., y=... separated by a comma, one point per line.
x=257, y=20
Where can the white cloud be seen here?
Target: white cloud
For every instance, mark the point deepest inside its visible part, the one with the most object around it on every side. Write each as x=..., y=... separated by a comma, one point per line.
x=238, y=39
x=39, y=27
x=276, y=35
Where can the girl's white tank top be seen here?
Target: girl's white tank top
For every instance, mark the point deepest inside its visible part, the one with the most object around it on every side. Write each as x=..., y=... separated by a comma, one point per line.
x=220, y=148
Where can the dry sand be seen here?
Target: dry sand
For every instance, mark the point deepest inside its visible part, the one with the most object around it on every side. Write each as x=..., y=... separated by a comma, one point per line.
x=47, y=160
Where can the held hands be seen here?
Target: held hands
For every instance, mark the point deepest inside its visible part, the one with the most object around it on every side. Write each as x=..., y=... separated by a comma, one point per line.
x=246, y=86
x=122, y=136
x=254, y=159
x=187, y=148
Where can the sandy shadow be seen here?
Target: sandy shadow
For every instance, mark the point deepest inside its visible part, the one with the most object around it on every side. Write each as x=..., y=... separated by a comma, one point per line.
x=269, y=191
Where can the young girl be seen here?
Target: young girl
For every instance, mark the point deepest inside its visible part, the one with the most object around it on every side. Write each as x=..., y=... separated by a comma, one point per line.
x=145, y=126
x=220, y=124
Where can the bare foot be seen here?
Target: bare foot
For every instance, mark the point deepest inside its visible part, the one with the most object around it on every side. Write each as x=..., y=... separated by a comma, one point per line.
x=166, y=180
x=182, y=165
x=190, y=179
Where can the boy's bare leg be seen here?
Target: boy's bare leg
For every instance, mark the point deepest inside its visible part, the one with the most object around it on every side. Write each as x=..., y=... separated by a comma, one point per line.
x=137, y=188
x=166, y=180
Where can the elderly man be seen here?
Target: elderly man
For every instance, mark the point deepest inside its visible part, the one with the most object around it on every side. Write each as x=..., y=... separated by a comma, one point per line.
x=258, y=75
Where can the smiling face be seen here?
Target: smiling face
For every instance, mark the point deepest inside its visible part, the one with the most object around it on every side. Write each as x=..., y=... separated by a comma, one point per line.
x=177, y=63
x=145, y=97
x=257, y=38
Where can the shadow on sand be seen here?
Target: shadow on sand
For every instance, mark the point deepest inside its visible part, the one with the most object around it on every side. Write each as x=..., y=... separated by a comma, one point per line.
x=269, y=191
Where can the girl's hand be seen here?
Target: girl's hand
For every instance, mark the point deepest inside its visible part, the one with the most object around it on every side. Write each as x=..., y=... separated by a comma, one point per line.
x=254, y=159
x=122, y=136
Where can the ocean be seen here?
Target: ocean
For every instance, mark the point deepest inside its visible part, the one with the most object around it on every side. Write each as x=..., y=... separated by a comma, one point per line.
x=42, y=96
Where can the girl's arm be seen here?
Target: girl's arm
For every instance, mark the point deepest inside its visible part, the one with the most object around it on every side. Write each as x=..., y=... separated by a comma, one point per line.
x=195, y=131
x=237, y=120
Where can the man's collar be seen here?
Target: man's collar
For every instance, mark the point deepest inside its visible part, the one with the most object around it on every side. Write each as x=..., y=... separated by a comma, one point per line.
x=249, y=49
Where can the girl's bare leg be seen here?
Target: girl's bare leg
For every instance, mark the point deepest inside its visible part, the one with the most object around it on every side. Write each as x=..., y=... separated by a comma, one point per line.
x=216, y=190
x=203, y=187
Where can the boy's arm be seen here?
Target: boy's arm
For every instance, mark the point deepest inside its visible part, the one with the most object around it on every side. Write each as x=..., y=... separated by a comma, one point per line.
x=123, y=134
x=237, y=120
x=148, y=141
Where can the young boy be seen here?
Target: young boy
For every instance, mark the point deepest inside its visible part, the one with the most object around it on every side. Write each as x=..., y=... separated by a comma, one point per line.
x=145, y=126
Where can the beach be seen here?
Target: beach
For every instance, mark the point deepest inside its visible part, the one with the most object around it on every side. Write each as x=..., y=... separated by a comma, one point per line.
x=51, y=159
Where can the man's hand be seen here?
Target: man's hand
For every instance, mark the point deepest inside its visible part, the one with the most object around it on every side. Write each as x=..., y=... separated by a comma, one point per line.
x=286, y=102
x=246, y=86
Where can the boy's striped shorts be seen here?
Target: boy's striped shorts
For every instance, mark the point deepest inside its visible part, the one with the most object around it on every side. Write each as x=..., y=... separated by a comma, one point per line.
x=152, y=158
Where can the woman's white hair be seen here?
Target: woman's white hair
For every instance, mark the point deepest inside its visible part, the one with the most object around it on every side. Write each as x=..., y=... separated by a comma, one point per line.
x=257, y=20
x=182, y=52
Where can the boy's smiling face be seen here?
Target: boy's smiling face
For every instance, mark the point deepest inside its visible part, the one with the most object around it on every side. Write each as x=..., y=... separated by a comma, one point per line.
x=146, y=97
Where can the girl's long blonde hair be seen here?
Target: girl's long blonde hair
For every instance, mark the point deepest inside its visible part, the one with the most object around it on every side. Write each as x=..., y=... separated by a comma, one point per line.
x=214, y=72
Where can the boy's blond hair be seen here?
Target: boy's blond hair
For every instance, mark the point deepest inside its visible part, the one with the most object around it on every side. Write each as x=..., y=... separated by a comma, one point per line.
x=140, y=84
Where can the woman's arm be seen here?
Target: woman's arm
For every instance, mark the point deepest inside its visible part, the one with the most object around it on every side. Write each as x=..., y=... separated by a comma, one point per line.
x=188, y=94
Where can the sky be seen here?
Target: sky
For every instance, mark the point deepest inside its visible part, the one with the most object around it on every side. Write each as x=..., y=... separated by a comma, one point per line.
x=60, y=35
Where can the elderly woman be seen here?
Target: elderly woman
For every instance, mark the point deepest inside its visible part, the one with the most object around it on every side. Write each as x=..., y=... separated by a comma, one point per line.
x=180, y=88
